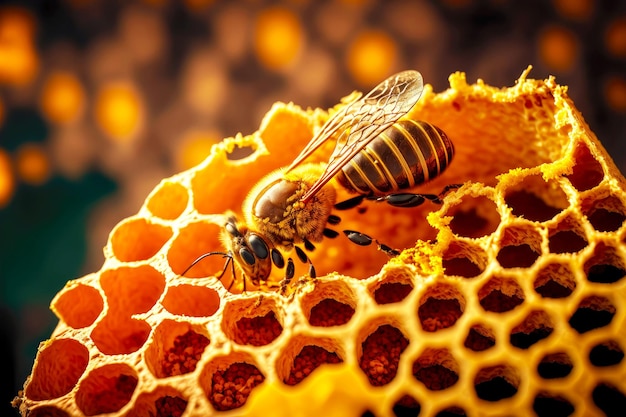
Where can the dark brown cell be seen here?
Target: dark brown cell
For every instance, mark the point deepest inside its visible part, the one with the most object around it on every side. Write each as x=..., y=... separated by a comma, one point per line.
x=381, y=354
x=169, y=406
x=330, y=312
x=258, y=331
x=309, y=358
x=479, y=338
x=392, y=292
x=231, y=387
x=183, y=356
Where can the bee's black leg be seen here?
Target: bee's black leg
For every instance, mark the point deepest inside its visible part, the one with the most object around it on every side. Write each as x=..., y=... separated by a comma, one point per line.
x=362, y=239
x=412, y=199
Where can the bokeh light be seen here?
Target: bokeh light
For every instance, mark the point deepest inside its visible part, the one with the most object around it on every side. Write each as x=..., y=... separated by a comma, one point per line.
x=615, y=93
x=7, y=182
x=615, y=37
x=278, y=37
x=119, y=111
x=195, y=147
x=18, y=58
x=558, y=48
x=575, y=9
x=32, y=164
x=371, y=57
x=62, y=98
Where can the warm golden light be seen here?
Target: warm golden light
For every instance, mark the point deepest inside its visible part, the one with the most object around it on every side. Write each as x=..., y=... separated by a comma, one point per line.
x=615, y=93
x=371, y=57
x=118, y=110
x=615, y=38
x=278, y=37
x=32, y=164
x=196, y=146
x=558, y=48
x=62, y=98
x=7, y=182
x=18, y=59
x=574, y=9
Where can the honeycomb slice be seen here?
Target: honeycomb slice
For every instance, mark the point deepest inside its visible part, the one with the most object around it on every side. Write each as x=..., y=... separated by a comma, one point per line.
x=508, y=299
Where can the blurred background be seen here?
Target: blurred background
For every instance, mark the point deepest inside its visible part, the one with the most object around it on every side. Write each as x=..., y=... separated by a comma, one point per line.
x=100, y=99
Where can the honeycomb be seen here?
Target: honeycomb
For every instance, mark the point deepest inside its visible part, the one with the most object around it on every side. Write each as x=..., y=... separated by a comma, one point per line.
x=507, y=299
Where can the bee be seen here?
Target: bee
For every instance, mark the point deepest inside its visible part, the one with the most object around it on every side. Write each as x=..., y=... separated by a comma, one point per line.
x=377, y=154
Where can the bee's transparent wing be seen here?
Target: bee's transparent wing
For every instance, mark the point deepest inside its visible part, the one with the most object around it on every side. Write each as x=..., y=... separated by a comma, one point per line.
x=361, y=121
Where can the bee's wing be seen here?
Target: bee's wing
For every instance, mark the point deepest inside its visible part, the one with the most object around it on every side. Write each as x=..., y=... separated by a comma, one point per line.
x=362, y=121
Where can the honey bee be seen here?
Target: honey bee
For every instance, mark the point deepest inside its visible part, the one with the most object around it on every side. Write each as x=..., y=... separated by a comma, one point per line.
x=377, y=153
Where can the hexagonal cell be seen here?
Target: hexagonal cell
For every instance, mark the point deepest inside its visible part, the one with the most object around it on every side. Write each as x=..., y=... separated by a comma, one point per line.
x=440, y=307
x=380, y=354
x=606, y=214
x=609, y=398
x=251, y=321
x=605, y=266
x=479, y=338
x=395, y=288
x=191, y=300
x=138, y=239
x=162, y=402
x=535, y=327
x=587, y=172
x=500, y=294
x=535, y=199
x=436, y=369
x=555, y=365
x=546, y=404
x=132, y=290
x=593, y=312
x=58, y=367
x=495, y=383
x=228, y=381
x=305, y=362
x=331, y=304
x=453, y=411
x=520, y=246
x=463, y=259
x=567, y=237
x=78, y=305
x=175, y=348
x=192, y=241
x=406, y=406
x=555, y=280
x=106, y=389
x=118, y=334
x=168, y=200
x=606, y=353
x=47, y=411
x=474, y=217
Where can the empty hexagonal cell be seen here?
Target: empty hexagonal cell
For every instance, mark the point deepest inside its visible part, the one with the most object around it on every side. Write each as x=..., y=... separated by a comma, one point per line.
x=536, y=326
x=587, y=171
x=474, y=217
x=406, y=406
x=395, y=288
x=175, y=348
x=567, y=237
x=191, y=300
x=606, y=353
x=78, y=305
x=535, y=199
x=495, y=383
x=331, y=304
x=555, y=365
x=520, y=246
x=163, y=401
x=132, y=290
x=58, y=367
x=463, y=259
x=47, y=411
x=440, y=307
x=555, y=280
x=168, y=200
x=106, y=389
x=605, y=265
x=138, y=239
x=479, y=338
x=547, y=404
x=453, y=411
x=500, y=294
x=305, y=362
x=593, y=312
x=436, y=369
x=380, y=354
x=228, y=381
x=609, y=398
x=251, y=321
x=119, y=334
x=605, y=214
x=192, y=241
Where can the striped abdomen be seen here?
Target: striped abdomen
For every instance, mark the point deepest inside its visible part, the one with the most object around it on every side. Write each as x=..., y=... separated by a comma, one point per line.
x=407, y=154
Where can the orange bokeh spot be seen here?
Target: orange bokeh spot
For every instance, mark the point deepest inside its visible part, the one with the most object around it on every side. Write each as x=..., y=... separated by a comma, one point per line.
x=574, y=9
x=195, y=147
x=371, y=57
x=119, y=111
x=62, y=98
x=197, y=5
x=558, y=48
x=615, y=93
x=18, y=58
x=32, y=164
x=278, y=37
x=7, y=182
x=615, y=37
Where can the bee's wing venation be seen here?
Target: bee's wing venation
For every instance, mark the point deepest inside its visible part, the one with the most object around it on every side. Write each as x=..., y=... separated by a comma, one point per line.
x=363, y=120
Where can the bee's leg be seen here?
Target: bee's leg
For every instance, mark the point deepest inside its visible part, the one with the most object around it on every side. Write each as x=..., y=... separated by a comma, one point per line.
x=350, y=203
x=362, y=239
x=289, y=273
x=413, y=200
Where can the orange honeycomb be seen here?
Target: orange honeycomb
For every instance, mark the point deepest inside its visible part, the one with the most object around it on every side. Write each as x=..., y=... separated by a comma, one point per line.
x=508, y=299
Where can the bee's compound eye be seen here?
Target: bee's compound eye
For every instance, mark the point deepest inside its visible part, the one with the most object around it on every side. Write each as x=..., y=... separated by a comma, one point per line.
x=259, y=247
x=247, y=256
